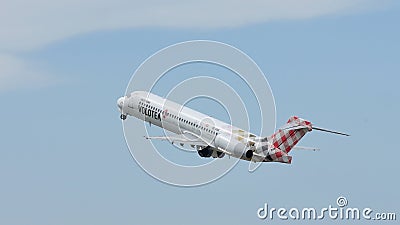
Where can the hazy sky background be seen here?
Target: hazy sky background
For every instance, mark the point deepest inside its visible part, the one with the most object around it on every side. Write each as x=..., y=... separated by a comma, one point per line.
x=64, y=64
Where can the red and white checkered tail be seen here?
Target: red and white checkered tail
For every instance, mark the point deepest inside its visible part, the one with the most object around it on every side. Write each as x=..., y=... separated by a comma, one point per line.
x=288, y=136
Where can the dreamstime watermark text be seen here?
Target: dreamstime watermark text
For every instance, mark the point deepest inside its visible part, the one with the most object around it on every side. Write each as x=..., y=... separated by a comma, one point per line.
x=340, y=211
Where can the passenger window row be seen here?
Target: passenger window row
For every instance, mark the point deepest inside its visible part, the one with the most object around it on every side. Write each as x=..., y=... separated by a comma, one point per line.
x=178, y=118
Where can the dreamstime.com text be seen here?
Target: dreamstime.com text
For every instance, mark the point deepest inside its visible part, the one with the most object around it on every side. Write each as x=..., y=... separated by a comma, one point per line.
x=339, y=212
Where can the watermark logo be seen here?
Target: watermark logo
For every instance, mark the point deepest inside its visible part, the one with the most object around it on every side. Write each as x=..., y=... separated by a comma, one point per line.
x=341, y=201
x=340, y=211
x=187, y=71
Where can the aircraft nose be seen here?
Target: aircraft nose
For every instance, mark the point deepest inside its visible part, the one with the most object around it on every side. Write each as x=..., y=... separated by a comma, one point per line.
x=120, y=102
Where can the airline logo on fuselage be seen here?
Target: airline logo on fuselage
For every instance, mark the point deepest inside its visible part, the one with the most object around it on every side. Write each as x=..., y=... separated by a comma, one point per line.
x=150, y=113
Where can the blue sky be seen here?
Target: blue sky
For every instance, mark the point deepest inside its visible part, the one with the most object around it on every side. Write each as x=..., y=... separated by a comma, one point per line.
x=63, y=155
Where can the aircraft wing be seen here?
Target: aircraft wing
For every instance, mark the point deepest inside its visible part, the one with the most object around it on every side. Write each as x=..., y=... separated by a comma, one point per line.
x=181, y=139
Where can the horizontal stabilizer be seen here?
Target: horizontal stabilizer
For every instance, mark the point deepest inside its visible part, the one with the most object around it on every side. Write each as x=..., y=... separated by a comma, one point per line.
x=330, y=131
x=306, y=148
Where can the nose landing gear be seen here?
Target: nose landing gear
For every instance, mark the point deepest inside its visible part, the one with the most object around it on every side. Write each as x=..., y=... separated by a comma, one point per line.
x=123, y=117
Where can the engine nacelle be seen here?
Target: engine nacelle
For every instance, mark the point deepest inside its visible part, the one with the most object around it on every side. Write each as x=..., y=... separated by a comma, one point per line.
x=230, y=144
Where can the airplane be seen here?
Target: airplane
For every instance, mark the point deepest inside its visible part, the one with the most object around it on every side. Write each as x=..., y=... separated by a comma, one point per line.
x=212, y=137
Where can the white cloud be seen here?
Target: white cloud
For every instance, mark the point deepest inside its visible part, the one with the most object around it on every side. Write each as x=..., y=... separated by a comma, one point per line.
x=16, y=73
x=27, y=25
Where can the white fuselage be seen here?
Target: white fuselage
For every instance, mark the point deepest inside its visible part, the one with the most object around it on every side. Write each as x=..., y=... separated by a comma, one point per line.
x=182, y=120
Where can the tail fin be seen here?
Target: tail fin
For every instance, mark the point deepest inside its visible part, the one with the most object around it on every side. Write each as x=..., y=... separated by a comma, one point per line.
x=277, y=155
x=291, y=133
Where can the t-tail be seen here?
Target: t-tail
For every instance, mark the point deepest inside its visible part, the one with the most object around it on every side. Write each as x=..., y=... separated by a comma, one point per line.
x=283, y=141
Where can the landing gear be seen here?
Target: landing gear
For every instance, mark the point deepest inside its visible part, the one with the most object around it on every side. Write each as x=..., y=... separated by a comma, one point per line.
x=123, y=117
